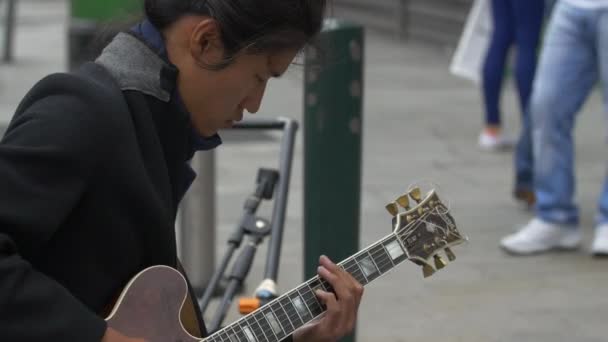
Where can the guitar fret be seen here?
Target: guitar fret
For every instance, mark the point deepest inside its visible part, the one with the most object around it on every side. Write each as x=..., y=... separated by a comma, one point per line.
x=240, y=334
x=232, y=334
x=372, y=258
x=367, y=280
x=367, y=266
x=386, y=265
x=266, y=329
x=300, y=306
x=312, y=302
x=314, y=285
x=249, y=336
x=294, y=316
x=223, y=336
x=301, y=291
x=322, y=283
x=283, y=317
x=263, y=331
x=381, y=258
x=256, y=329
x=395, y=250
x=273, y=322
x=237, y=332
x=355, y=270
x=327, y=286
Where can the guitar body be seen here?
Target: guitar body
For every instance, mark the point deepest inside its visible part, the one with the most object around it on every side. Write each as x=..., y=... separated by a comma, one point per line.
x=153, y=306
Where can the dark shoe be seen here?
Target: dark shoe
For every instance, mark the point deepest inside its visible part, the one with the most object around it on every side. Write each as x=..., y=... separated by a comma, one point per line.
x=525, y=196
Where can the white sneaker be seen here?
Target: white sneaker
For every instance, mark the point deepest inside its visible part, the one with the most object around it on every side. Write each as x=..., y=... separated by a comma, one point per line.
x=489, y=142
x=540, y=236
x=600, y=243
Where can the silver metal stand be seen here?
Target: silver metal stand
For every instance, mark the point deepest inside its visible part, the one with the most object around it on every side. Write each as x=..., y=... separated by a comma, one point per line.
x=252, y=230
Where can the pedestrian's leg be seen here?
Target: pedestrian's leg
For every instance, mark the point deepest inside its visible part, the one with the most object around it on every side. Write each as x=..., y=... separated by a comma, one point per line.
x=602, y=46
x=528, y=22
x=494, y=66
x=529, y=15
x=566, y=74
x=567, y=71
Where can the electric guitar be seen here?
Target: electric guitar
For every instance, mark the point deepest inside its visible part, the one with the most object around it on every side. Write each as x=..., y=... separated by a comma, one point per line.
x=153, y=304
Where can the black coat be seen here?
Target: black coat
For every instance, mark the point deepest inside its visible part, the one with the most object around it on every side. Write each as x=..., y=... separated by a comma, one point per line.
x=90, y=180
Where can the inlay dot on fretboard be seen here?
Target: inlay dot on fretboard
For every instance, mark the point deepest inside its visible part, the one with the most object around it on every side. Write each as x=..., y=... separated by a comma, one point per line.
x=297, y=302
x=274, y=324
x=367, y=265
x=233, y=338
x=249, y=334
x=395, y=250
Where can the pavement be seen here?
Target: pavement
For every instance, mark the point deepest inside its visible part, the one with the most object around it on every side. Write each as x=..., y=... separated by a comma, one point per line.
x=420, y=123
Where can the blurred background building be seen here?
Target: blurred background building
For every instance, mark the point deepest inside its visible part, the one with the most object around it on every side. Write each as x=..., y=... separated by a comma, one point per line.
x=433, y=21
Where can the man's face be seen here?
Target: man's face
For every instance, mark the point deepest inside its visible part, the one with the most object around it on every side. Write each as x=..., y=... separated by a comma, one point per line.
x=218, y=99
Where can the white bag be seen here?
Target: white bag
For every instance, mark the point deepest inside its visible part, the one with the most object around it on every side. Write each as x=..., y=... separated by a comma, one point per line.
x=470, y=54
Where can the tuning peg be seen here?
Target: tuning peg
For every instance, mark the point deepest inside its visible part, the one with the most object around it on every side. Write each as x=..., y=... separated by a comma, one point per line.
x=404, y=201
x=416, y=194
x=427, y=270
x=439, y=262
x=450, y=254
x=392, y=209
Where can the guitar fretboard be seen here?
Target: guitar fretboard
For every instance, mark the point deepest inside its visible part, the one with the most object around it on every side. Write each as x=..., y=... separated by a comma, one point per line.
x=281, y=317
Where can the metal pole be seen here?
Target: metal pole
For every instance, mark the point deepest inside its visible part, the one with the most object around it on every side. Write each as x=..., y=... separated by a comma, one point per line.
x=197, y=230
x=290, y=128
x=9, y=31
x=333, y=145
x=282, y=195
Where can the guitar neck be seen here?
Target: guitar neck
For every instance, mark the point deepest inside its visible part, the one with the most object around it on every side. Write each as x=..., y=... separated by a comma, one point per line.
x=281, y=317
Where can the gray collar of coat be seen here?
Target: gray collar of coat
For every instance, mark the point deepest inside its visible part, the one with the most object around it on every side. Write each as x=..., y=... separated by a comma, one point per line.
x=135, y=66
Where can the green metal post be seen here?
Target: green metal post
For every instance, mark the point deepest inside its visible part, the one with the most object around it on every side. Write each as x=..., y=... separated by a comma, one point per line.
x=333, y=140
x=88, y=18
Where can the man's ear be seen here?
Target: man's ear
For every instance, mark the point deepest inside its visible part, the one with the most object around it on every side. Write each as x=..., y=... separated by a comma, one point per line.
x=205, y=42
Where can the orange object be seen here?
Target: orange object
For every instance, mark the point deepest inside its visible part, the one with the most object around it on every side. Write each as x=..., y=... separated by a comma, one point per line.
x=248, y=305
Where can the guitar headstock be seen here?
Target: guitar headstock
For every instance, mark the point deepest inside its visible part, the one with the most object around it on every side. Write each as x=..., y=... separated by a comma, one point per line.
x=425, y=228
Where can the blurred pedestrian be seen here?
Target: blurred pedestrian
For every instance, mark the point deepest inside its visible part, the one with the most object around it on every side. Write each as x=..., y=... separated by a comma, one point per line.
x=516, y=23
x=574, y=58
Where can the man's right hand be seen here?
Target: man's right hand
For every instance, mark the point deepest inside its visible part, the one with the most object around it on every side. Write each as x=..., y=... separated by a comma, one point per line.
x=114, y=336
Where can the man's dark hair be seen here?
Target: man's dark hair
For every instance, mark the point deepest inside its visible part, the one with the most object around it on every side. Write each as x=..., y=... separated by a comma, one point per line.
x=249, y=26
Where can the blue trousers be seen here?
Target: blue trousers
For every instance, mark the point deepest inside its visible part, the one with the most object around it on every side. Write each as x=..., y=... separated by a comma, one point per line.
x=516, y=23
x=574, y=58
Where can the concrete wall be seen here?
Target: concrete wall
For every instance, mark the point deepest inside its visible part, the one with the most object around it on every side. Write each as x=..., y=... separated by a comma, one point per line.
x=433, y=21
